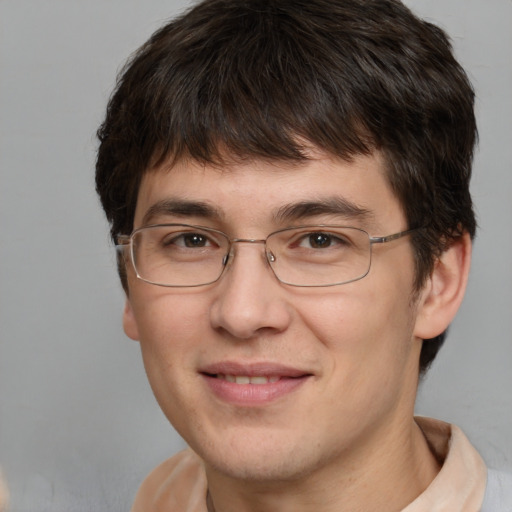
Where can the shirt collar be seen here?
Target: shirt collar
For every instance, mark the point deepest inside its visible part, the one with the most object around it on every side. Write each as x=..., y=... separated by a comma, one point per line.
x=460, y=485
x=179, y=484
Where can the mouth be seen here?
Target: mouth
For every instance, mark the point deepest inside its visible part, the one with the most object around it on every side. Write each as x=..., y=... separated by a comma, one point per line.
x=252, y=385
x=247, y=379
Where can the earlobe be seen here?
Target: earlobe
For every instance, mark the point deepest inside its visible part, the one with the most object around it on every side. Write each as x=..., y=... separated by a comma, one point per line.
x=444, y=290
x=129, y=322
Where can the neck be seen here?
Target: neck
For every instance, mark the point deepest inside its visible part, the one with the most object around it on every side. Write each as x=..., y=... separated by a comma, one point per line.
x=384, y=476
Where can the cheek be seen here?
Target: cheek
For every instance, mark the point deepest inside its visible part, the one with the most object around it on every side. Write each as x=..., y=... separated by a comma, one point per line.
x=372, y=364
x=366, y=339
x=169, y=318
x=170, y=326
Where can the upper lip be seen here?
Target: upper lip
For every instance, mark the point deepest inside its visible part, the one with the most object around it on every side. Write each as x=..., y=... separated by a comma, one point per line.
x=257, y=369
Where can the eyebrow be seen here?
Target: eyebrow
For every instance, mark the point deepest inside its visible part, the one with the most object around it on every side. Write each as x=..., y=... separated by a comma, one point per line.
x=293, y=212
x=181, y=208
x=335, y=205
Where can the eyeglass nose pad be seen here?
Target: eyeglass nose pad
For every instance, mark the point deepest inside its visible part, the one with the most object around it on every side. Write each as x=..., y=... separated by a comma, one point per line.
x=225, y=259
x=271, y=257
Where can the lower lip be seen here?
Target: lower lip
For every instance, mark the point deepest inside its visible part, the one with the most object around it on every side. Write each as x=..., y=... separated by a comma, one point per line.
x=253, y=394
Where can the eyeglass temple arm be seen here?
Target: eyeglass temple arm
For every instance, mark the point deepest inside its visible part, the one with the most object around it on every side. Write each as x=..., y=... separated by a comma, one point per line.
x=122, y=240
x=390, y=238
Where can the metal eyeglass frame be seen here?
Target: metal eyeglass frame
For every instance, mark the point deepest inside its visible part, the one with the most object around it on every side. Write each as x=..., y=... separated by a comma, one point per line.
x=126, y=240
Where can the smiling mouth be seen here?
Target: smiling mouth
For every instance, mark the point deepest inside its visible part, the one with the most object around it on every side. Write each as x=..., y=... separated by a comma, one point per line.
x=246, y=379
x=252, y=384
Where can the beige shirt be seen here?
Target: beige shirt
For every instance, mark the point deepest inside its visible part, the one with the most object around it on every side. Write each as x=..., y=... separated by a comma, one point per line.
x=179, y=484
x=4, y=495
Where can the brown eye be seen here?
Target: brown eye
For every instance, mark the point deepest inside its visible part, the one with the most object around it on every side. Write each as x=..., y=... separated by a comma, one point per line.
x=319, y=240
x=188, y=240
x=323, y=240
x=194, y=240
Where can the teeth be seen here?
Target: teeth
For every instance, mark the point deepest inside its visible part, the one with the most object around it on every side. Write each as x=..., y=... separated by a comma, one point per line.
x=244, y=379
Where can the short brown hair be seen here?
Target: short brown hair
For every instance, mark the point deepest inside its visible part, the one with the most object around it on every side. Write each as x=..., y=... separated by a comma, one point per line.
x=262, y=78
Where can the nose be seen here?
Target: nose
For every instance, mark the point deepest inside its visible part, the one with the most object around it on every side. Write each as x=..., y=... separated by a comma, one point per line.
x=249, y=299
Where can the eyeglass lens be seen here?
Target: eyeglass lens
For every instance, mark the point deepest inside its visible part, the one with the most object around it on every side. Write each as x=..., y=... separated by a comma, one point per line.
x=182, y=255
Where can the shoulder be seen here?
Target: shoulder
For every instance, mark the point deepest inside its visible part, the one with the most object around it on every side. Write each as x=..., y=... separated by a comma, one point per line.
x=176, y=485
x=498, y=494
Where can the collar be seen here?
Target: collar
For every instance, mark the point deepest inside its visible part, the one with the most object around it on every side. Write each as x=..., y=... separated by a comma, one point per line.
x=179, y=484
x=460, y=484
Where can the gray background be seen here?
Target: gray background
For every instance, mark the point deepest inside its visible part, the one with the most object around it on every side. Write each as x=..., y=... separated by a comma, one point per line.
x=79, y=427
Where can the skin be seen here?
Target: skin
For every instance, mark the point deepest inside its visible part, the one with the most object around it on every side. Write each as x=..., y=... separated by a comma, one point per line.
x=345, y=439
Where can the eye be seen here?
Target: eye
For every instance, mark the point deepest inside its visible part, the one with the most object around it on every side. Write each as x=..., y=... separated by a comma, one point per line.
x=187, y=240
x=194, y=240
x=321, y=240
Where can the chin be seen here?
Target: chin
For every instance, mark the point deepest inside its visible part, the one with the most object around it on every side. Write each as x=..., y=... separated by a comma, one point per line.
x=264, y=458
x=260, y=469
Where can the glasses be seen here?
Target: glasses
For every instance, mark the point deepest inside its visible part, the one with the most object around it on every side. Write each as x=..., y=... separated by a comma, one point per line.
x=181, y=255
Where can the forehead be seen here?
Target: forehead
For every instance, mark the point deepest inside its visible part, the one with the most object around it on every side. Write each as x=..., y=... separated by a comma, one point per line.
x=269, y=192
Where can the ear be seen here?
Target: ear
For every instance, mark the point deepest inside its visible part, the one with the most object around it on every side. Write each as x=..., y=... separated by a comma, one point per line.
x=443, y=292
x=130, y=326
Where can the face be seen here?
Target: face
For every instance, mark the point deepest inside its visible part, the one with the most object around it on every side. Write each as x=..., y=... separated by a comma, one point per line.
x=321, y=375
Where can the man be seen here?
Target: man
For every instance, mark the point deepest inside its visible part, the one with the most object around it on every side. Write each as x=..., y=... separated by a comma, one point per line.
x=288, y=187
